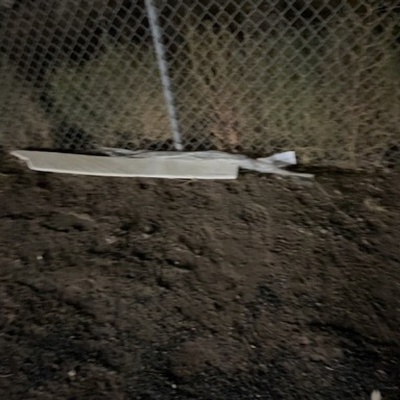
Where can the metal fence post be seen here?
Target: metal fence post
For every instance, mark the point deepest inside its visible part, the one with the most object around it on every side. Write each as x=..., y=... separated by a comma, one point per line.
x=152, y=13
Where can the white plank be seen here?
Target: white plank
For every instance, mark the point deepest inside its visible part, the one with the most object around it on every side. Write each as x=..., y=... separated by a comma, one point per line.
x=152, y=167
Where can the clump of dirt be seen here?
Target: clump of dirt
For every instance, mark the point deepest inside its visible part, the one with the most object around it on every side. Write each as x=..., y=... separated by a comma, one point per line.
x=147, y=289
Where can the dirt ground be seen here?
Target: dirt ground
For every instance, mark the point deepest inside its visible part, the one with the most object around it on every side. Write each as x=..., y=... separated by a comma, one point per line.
x=258, y=288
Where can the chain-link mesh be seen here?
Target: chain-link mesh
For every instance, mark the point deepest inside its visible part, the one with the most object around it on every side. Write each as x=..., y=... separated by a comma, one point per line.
x=321, y=77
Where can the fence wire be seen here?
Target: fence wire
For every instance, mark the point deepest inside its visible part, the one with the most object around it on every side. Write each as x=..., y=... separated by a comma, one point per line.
x=321, y=77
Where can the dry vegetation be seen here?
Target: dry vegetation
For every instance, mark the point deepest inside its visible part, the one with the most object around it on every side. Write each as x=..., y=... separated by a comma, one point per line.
x=332, y=98
x=22, y=121
x=116, y=98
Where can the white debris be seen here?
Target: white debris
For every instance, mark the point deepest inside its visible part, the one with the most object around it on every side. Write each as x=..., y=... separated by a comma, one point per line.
x=272, y=164
x=152, y=164
x=376, y=395
x=71, y=374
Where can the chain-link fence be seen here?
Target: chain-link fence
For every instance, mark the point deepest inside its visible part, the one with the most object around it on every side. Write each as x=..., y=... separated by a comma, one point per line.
x=321, y=77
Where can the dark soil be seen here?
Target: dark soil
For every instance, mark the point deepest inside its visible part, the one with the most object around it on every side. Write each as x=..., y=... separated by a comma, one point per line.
x=252, y=289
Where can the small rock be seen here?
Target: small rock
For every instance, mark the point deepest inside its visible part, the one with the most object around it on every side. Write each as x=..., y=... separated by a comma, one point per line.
x=71, y=294
x=381, y=372
x=65, y=222
x=71, y=374
x=305, y=341
x=337, y=353
x=376, y=395
x=317, y=358
x=150, y=228
x=111, y=240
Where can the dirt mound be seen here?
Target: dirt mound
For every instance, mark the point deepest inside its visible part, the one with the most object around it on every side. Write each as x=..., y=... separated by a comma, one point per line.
x=251, y=289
